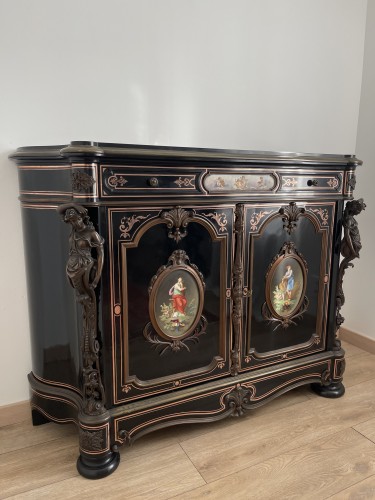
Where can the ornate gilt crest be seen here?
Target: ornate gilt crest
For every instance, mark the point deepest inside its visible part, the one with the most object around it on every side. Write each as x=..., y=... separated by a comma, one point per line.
x=290, y=215
x=177, y=220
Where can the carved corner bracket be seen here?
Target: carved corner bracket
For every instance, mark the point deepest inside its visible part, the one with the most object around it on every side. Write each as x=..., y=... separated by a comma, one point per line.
x=350, y=248
x=84, y=272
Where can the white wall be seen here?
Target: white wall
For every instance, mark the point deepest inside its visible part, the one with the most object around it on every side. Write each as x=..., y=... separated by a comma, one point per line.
x=359, y=306
x=255, y=74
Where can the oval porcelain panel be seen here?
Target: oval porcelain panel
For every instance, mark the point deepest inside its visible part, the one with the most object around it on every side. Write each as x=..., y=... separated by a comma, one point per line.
x=286, y=286
x=176, y=302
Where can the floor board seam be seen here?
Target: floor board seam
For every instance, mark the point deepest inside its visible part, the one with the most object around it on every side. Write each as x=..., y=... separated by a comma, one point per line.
x=360, y=433
x=271, y=457
x=351, y=486
x=193, y=464
x=239, y=420
x=41, y=487
x=76, y=445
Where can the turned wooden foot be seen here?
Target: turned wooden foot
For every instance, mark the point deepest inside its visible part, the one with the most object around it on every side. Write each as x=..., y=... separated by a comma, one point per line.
x=93, y=467
x=333, y=390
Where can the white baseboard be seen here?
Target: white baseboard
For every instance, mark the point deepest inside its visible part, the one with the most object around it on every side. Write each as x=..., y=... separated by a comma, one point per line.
x=358, y=339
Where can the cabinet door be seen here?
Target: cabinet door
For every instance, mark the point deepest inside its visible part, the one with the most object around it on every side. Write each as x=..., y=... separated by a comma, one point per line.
x=287, y=277
x=170, y=274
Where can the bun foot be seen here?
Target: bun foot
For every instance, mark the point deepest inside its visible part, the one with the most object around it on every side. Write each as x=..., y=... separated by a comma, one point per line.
x=98, y=467
x=334, y=390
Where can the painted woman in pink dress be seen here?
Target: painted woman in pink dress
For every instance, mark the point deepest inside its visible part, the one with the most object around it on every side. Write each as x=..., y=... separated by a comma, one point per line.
x=177, y=292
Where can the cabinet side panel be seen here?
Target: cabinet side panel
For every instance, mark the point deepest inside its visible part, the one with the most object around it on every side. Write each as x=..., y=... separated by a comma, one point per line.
x=52, y=306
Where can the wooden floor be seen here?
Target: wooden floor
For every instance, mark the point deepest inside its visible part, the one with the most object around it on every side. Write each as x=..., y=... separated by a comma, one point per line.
x=298, y=446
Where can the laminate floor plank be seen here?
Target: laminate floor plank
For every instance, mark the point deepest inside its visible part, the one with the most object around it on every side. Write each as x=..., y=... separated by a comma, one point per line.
x=36, y=466
x=24, y=434
x=367, y=429
x=363, y=490
x=359, y=369
x=256, y=439
x=159, y=476
x=14, y=413
x=313, y=471
x=351, y=350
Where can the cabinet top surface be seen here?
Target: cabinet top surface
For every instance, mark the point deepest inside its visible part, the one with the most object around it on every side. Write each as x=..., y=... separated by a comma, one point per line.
x=101, y=150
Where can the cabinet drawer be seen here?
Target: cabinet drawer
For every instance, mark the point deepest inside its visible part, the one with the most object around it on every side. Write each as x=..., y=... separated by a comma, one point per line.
x=327, y=182
x=127, y=181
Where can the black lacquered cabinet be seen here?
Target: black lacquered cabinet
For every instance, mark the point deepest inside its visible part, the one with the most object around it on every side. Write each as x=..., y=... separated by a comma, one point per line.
x=172, y=285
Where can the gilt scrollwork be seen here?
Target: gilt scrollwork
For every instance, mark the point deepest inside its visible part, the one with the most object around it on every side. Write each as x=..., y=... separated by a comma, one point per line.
x=333, y=183
x=220, y=182
x=185, y=182
x=220, y=219
x=256, y=218
x=350, y=248
x=127, y=224
x=290, y=182
x=240, y=183
x=323, y=214
x=290, y=215
x=84, y=272
x=117, y=180
x=177, y=220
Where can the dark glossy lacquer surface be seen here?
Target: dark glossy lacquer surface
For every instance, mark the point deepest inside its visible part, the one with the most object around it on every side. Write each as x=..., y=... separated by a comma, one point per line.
x=52, y=306
x=46, y=181
x=266, y=337
x=154, y=249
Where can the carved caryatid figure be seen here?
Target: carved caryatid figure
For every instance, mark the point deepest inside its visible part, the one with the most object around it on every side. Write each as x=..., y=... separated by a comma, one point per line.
x=351, y=243
x=82, y=269
x=350, y=248
x=84, y=272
